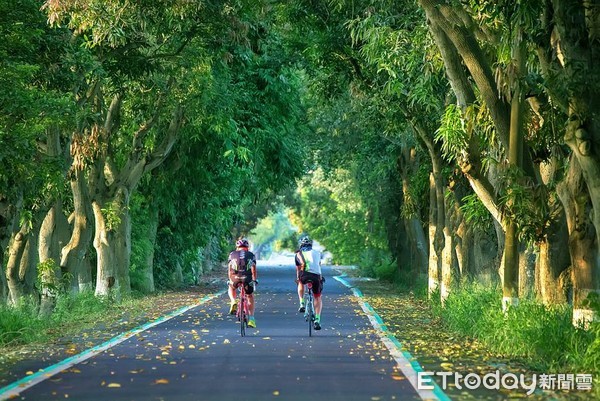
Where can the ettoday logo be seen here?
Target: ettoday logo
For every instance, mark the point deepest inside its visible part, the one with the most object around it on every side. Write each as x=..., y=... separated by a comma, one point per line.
x=507, y=381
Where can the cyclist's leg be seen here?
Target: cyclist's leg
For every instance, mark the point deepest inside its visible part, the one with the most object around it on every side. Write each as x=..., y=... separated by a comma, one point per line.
x=317, y=291
x=232, y=297
x=250, y=299
x=301, y=283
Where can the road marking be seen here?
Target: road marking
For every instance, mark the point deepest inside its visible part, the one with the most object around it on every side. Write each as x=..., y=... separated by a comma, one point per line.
x=14, y=389
x=406, y=362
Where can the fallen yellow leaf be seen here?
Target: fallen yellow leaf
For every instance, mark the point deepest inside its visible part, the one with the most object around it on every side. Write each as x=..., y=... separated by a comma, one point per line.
x=161, y=381
x=114, y=385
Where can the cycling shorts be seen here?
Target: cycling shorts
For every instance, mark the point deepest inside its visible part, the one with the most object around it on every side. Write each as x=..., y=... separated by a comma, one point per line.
x=315, y=279
x=243, y=278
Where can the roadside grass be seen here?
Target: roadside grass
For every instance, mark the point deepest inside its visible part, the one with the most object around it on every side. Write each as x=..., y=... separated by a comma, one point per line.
x=541, y=335
x=472, y=334
x=22, y=325
x=19, y=324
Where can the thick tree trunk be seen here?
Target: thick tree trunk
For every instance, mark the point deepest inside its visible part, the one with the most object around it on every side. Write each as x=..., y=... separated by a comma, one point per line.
x=16, y=248
x=112, y=189
x=583, y=243
x=552, y=277
x=551, y=264
x=569, y=54
x=9, y=212
x=74, y=253
x=106, y=272
x=53, y=236
x=29, y=260
x=21, y=269
x=113, y=245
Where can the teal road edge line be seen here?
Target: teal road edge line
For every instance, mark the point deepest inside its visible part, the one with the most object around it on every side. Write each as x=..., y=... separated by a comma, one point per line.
x=21, y=385
x=409, y=366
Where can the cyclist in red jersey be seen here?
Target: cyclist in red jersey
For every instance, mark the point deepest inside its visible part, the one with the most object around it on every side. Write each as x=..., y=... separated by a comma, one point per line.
x=308, y=269
x=242, y=270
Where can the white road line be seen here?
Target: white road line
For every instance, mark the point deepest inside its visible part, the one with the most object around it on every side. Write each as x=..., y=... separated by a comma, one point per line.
x=406, y=362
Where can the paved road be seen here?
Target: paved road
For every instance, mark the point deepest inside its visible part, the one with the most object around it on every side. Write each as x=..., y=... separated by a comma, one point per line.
x=199, y=355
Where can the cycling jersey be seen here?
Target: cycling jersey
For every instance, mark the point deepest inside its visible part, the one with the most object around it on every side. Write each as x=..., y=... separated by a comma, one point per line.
x=241, y=262
x=311, y=260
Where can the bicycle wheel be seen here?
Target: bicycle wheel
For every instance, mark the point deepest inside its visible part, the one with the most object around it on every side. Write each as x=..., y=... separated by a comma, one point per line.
x=242, y=319
x=310, y=313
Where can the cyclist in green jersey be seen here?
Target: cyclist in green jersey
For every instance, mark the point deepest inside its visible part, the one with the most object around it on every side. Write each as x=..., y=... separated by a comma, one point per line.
x=308, y=269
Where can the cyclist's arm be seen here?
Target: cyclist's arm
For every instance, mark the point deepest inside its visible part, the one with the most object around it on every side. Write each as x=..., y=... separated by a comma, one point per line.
x=254, y=273
x=230, y=268
x=229, y=272
x=299, y=266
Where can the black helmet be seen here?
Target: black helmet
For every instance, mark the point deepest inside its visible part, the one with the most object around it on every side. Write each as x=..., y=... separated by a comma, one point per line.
x=305, y=242
x=242, y=242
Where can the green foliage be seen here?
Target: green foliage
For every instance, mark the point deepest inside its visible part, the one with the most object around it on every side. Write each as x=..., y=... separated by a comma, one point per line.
x=590, y=358
x=20, y=324
x=34, y=99
x=332, y=212
x=112, y=215
x=542, y=335
x=48, y=280
x=383, y=268
x=475, y=213
x=452, y=133
x=141, y=245
x=270, y=231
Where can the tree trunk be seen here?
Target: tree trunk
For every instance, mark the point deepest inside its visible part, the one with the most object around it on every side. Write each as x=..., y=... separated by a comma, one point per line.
x=113, y=244
x=552, y=262
x=463, y=241
x=106, y=272
x=568, y=55
x=9, y=229
x=74, y=253
x=16, y=248
x=51, y=239
x=122, y=240
x=419, y=246
x=434, y=272
x=583, y=244
x=527, y=258
x=177, y=275
x=3, y=283
x=510, y=285
x=447, y=253
x=29, y=259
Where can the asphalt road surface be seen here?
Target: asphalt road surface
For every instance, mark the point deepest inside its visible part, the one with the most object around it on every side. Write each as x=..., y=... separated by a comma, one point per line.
x=200, y=355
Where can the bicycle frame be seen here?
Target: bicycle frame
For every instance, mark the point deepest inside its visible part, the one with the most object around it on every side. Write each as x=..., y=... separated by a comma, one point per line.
x=242, y=310
x=309, y=313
